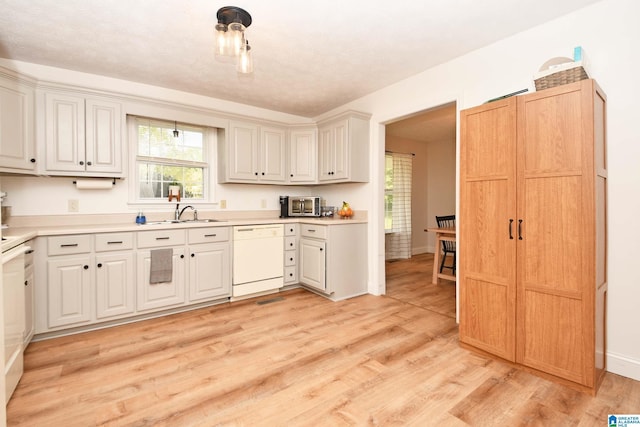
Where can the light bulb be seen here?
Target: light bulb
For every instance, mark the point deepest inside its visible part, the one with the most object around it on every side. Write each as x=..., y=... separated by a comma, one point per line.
x=245, y=61
x=235, y=38
x=222, y=47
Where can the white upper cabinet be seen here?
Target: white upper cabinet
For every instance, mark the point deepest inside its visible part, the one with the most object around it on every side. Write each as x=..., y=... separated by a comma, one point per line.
x=303, y=156
x=343, y=149
x=83, y=135
x=253, y=154
x=17, y=142
x=272, y=154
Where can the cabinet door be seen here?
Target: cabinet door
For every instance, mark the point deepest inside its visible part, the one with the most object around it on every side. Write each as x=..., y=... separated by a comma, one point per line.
x=17, y=144
x=29, y=300
x=242, y=152
x=209, y=271
x=303, y=159
x=64, y=132
x=334, y=151
x=70, y=290
x=325, y=153
x=488, y=227
x=103, y=136
x=341, y=150
x=556, y=256
x=313, y=263
x=272, y=155
x=114, y=285
x=160, y=295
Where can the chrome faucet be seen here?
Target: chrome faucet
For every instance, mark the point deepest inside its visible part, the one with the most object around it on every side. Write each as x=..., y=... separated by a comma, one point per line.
x=179, y=212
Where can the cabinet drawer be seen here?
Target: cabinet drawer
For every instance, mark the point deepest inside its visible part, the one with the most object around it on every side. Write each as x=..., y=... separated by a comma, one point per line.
x=290, y=258
x=209, y=235
x=154, y=239
x=313, y=231
x=290, y=229
x=67, y=245
x=290, y=243
x=114, y=241
x=291, y=274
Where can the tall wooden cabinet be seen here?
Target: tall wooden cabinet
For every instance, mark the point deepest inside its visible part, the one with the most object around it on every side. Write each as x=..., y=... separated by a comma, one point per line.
x=532, y=227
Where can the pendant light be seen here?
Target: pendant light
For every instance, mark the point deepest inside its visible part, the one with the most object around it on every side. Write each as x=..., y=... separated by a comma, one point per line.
x=230, y=37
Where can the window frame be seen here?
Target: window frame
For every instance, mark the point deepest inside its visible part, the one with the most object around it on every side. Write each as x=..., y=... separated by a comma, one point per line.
x=208, y=163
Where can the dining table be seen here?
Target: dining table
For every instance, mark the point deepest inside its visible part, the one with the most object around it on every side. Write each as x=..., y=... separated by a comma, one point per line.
x=442, y=234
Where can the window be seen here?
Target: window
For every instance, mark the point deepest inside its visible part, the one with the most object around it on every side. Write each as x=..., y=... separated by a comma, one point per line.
x=162, y=160
x=388, y=192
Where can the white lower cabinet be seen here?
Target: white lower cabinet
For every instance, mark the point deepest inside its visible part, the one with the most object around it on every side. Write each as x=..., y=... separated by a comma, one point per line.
x=291, y=254
x=69, y=284
x=115, y=294
x=91, y=279
x=333, y=259
x=114, y=272
x=160, y=295
x=313, y=263
x=209, y=271
x=29, y=295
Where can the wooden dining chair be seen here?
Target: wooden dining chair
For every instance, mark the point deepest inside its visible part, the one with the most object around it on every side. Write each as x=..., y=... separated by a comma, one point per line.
x=447, y=246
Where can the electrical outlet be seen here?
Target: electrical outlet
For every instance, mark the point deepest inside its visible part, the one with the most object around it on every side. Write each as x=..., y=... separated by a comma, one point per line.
x=223, y=204
x=73, y=205
x=263, y=203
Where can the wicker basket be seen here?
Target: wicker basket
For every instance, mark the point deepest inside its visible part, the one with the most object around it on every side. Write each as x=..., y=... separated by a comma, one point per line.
x=563, y=77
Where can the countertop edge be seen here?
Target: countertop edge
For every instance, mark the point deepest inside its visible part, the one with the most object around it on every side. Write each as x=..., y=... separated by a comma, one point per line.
x=17, y=236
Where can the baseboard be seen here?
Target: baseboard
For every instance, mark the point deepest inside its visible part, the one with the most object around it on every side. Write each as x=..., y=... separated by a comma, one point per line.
x=422, y=250
x=622, y=365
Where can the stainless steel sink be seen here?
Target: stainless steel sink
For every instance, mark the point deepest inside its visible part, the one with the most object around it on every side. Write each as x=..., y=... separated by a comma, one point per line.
x=181, y=221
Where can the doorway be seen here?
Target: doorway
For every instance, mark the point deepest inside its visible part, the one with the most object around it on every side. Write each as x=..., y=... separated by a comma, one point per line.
x=429, y=135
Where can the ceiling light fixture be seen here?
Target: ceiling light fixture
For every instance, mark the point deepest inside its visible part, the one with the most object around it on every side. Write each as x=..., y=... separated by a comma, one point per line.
x=230, y=38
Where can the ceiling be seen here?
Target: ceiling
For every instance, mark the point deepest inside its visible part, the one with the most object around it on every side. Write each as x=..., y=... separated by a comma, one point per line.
x=434, y=125
x=309, y=56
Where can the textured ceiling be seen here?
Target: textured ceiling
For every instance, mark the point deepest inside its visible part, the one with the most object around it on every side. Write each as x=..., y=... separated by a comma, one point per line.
x=309, y=56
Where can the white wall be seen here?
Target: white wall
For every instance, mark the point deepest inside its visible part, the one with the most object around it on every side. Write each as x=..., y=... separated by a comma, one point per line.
x=609, y=33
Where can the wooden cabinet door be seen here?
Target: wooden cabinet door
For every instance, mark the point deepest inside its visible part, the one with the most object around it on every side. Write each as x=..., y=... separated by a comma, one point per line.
x=103, y=136
x=70, y=291
x=272, y=155
x=488, y=227
x=555, y=255
x=115, y=290
x=209, y=271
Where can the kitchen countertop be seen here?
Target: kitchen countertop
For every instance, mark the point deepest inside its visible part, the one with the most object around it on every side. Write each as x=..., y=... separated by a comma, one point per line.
x=16, y=236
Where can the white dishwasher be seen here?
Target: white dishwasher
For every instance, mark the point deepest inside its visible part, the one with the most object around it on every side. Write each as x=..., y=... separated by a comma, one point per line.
x=258, y=258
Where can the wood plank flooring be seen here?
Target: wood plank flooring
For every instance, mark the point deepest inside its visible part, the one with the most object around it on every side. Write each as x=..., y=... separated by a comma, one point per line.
x=301, y=361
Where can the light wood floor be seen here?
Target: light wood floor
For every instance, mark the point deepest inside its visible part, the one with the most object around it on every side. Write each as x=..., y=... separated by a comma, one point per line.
x=301, y=361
